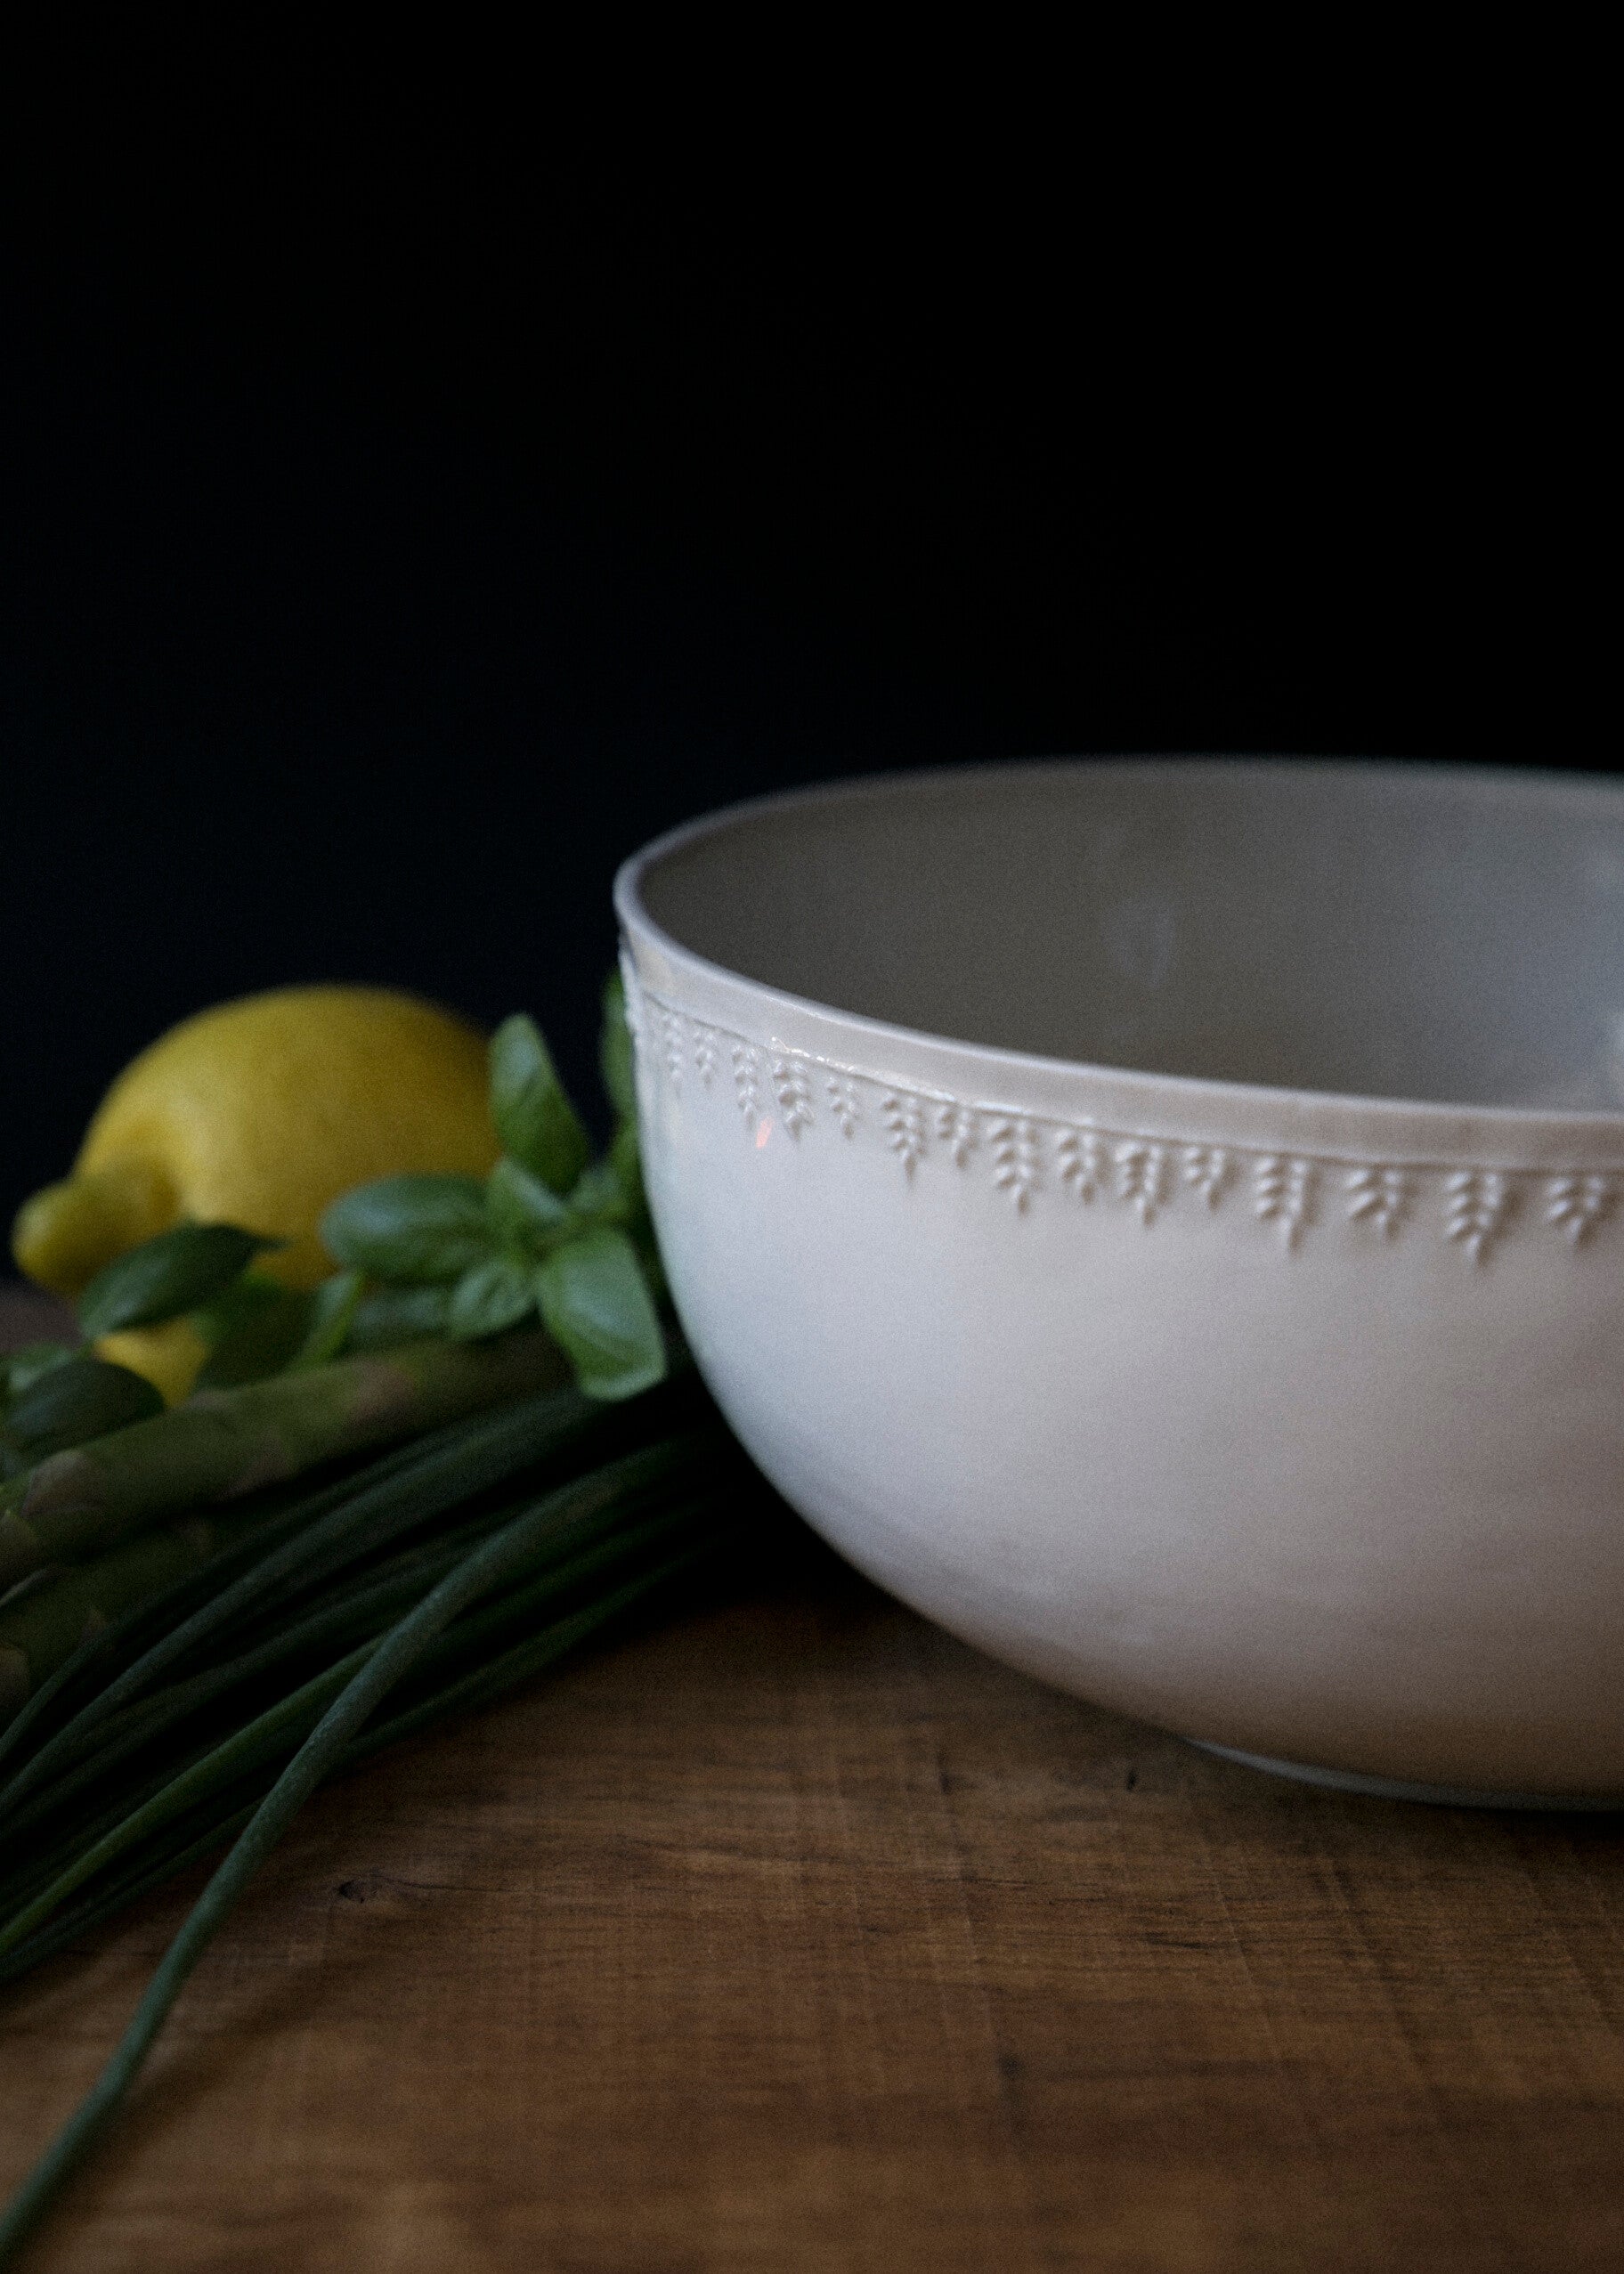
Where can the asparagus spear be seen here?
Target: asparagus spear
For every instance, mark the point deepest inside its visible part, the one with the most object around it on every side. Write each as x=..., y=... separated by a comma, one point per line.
x=41, y=1628
x=226, y=1442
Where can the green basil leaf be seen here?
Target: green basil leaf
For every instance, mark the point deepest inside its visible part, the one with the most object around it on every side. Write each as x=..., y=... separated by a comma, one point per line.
x=492, y=1295
x=239, y=1305
x=264, y=1341
x=178, y=1271
x=599, y=1197
x=410, y=1230
x=19, y=1368
x=81, y=1399
x=390, y=1315
x=332, y=1315
x=521, y=1210
x=534, y=1119
x=616, y=1059
x=597, y=1308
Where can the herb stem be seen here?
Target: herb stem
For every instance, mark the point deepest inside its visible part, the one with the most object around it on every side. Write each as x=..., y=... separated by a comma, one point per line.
x=381, y=1665
x=357, y=1525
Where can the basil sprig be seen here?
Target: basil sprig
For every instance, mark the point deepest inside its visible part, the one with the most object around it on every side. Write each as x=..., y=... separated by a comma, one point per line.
x=550, y=1232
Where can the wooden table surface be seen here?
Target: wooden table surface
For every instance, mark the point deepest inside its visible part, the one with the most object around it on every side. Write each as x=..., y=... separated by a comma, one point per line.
x=792, y=1935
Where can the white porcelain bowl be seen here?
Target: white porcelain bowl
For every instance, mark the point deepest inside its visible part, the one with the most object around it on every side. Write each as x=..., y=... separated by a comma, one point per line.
x=1161, y=1220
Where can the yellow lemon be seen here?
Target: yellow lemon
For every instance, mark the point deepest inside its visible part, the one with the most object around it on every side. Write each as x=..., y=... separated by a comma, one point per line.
x=259, y=1113
x=169, y=1356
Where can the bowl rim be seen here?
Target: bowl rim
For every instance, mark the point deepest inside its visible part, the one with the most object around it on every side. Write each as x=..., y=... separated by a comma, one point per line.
x=1336, y=1120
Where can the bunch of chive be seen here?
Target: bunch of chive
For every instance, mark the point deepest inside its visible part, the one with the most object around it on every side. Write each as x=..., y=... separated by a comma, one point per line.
x=169, y=1703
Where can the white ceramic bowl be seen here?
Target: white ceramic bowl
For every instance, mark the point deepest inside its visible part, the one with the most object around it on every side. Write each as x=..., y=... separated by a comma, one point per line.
x=1159, y=1219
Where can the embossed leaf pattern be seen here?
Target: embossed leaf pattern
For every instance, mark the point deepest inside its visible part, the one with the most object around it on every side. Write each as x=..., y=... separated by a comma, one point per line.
x=1283, y=1193
x=1576, y=1205
x=747, y=1082
x=903, y=1117
x=706, y=1046
x=1141, y=1176
x=841, y=1092
x=1026, y=1153
x=1017, y=1160
x=793, y=1093
x=959, y=1130
x=1208, y=1171
x=673, y=1040
x=1477, y=1202
x=1079, y=1163
x=1380, y=1196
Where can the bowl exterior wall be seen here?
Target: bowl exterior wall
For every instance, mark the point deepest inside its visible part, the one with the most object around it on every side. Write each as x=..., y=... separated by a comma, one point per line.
x=1316, y=1454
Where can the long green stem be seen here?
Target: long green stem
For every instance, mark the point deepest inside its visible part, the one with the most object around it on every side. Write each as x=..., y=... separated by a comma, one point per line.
x=182, y=1845
x=257, y=1645
x=359, y=1525
x=589, y=1562
x=41, y=1631
x=162, y=1861
x=129, y=1810
x=517, y=1664
x=387, y=1664
x=364, y=1610
x=342, y=1625
x=263, y=1522
x=222, y=1764
x=52, y=1876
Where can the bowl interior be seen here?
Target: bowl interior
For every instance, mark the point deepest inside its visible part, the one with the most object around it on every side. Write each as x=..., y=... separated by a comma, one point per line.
x=1383, y=931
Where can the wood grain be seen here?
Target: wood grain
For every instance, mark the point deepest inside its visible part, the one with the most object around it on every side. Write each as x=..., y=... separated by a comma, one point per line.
x=794, y=1935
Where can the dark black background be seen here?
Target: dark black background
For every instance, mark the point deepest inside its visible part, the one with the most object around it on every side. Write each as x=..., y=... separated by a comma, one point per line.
x=417, y=494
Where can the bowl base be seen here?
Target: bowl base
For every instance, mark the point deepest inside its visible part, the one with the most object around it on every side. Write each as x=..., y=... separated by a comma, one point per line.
x=1386, y=1787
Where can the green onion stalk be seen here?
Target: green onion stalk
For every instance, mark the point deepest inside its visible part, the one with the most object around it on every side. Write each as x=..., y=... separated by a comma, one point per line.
x=324, y=1722
x=389, y=1501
